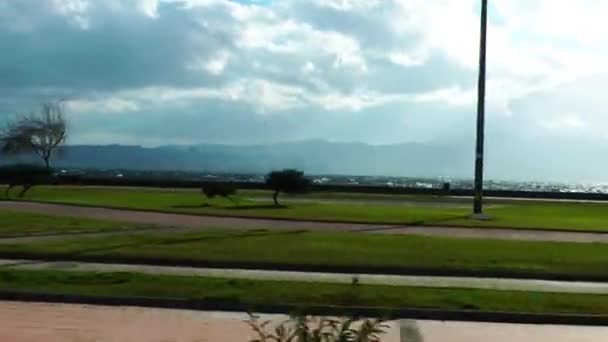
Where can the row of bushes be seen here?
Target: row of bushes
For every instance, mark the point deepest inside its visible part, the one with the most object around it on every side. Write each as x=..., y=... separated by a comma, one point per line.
x=286, y=181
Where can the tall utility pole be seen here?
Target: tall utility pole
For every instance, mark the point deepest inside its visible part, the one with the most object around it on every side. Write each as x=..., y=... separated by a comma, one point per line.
x=481, y=99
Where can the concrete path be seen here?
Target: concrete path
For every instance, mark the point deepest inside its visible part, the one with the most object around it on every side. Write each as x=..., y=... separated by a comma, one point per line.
x=76, y=235
x=177, y=220
x=45, y=322
x=334, y=278
x=168, y=220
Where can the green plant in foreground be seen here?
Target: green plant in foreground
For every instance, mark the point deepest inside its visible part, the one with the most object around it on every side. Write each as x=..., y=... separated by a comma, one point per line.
x=321, y=329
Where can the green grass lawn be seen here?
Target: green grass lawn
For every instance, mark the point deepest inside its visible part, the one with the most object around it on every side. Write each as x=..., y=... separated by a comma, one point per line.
x=540, y=259
x=17, y=224
x=415, y=210
x=253, y=292
x=194, y=202
x=359, y=196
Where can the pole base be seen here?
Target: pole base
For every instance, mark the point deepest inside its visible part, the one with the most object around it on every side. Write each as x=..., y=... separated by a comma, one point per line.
x=482, y=217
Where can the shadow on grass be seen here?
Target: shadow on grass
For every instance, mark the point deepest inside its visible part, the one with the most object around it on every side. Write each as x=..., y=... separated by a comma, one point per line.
x=417, y=223
x=101, y=251
x=190, y=206
x=432, y=222
x=255, y=233
x=256, y=206
x=236, y=206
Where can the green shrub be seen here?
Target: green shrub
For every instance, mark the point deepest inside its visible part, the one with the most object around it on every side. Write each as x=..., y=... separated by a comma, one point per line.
x=24, y=175
x=217, y=189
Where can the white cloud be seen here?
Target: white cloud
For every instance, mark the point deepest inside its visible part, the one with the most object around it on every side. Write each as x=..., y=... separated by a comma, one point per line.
x=215, y=65
x=149, y=7
x=406, y=59
x=108, y=105
x=325, y=57
x=76, y=10
x=308, y=68
x=349, y=5
x=564, y=123
x=266, y=97
x=454, y=96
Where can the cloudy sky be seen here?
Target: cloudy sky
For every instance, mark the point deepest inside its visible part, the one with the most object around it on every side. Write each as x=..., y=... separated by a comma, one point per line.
x=155, y=72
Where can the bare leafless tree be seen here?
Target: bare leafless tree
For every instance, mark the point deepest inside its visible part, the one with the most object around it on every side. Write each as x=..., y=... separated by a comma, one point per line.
x=41, y=133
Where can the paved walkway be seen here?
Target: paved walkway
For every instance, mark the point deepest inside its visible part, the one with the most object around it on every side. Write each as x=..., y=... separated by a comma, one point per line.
x=177, y=220
x=43, y=322
x=334, y=278
x=168, y=220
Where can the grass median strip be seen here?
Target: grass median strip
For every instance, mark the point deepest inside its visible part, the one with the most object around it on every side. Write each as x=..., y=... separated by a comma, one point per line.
x=294, y=249
x=255, y=292
x=18, y=224
x=414, y=210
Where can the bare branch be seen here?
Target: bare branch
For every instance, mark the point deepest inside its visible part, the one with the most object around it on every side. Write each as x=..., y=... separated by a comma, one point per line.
x=40, y=133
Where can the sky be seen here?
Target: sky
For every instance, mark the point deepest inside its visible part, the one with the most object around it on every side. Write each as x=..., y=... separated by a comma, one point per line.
x=156, y=72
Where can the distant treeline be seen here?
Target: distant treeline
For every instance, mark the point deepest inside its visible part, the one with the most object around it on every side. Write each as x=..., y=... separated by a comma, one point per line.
x=368, y=189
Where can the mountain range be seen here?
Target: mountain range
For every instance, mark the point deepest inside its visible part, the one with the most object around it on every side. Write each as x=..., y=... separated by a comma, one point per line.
x=316, y=157
x=505, y=160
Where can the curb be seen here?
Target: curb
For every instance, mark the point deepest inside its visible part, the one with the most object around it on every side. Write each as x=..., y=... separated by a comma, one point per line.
x=380, y=270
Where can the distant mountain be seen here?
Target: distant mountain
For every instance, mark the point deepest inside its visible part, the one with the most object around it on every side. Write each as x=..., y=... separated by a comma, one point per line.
x=318, y=157
x=506, y=159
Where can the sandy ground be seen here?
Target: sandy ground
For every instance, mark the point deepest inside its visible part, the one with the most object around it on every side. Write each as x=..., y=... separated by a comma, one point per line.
x=38, y=322
x=199, y=222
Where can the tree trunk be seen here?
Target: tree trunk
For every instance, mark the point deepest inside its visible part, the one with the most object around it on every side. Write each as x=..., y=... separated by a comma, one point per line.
x=275, y=197
x=47, y=162
x=26, y=188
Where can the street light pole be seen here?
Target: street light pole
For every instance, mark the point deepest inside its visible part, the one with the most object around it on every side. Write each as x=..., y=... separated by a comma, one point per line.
x=478, y=192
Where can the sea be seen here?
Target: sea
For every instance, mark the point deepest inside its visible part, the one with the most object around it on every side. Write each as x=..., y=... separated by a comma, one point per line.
x=388, y=181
